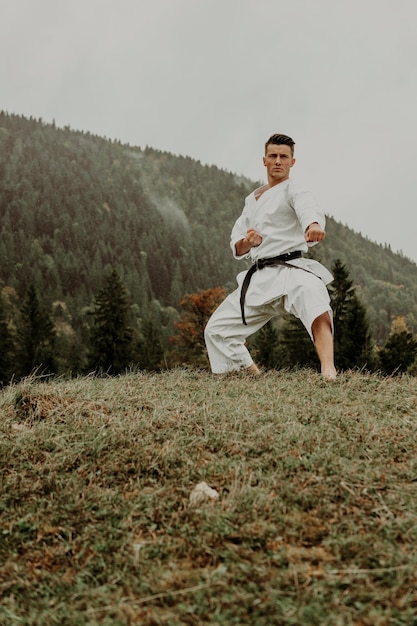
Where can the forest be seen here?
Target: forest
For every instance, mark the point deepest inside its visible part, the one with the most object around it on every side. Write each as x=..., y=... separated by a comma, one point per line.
x=86, y=221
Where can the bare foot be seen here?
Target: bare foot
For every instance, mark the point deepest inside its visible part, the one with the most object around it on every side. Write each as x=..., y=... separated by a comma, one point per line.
x=329, y=374
x=253, y=369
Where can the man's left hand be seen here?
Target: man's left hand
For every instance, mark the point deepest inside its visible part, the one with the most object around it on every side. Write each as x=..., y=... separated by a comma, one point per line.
x=314, y=233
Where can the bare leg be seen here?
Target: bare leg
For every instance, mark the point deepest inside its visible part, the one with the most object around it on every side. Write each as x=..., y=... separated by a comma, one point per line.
x=323, y=340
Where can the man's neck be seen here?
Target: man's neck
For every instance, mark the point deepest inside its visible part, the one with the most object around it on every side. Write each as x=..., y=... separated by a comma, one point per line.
x=273, y=183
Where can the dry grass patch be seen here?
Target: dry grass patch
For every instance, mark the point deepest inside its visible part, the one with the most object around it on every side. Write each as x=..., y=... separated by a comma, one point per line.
x=315, y=523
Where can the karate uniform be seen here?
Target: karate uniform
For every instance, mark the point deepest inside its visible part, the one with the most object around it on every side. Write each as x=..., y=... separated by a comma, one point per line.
x=280, y=215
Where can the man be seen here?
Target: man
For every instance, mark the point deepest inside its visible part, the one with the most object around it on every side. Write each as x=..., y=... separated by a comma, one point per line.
x=279, y=222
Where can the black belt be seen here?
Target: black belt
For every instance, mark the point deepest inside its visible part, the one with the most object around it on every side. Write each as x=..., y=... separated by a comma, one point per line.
x=259, y=265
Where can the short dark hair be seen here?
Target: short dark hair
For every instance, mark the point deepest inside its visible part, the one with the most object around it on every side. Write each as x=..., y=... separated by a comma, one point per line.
x=279, y=139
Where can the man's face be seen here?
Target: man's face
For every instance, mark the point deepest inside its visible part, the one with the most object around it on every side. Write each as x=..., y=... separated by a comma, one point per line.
x=278, y=162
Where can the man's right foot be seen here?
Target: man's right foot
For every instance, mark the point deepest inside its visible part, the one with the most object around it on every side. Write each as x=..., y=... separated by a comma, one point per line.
x=329, y=374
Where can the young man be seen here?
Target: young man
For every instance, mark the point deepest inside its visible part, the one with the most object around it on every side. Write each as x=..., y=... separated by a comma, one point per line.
x=278, y=223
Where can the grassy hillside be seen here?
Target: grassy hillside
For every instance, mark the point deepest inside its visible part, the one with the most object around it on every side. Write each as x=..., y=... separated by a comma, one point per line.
x=315, y=519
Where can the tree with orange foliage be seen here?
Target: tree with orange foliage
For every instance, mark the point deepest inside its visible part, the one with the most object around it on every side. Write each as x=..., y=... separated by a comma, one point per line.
x=188, y=346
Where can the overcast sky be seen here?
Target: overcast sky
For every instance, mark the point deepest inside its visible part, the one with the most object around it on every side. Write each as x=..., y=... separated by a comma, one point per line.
x=213, y=79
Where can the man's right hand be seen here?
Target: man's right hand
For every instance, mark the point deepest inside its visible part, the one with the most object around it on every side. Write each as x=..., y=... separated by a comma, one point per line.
x=251, y=240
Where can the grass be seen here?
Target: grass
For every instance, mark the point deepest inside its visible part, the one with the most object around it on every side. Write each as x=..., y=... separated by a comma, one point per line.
x=315, y=523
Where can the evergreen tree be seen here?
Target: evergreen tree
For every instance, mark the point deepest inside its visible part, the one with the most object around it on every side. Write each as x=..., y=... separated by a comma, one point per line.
x=151, y=350
x=112, y=335
x=70, y=350
x=264, y=346
x=399, y=353
x=295, y=347
x=36, y=337
x=352, y=344
x=176, y=285
x=6, y=348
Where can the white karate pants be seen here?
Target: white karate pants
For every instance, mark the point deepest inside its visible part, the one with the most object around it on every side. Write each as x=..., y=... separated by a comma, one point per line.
x=225, y=334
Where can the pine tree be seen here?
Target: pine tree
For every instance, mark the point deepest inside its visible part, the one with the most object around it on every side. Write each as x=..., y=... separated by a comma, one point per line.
x=399, y=353
x=112, y=335
x=151, y=350
x=36, y=337
x=264, y=347
x=353, y=346
x=6, y=348
x=295, y=346
x=176, y=285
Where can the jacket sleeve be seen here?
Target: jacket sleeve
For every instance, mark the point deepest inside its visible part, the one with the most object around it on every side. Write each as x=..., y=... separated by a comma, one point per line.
x=307, y=210
x=239, y=232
